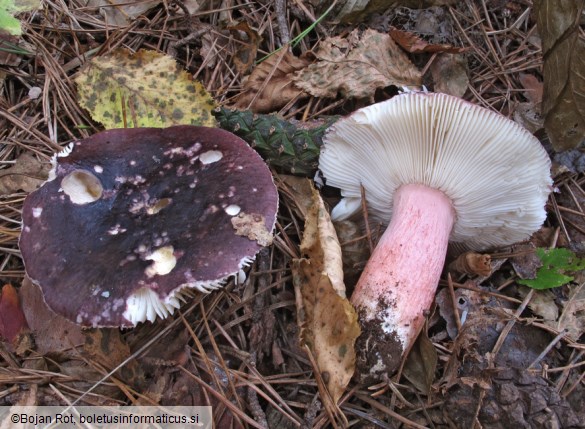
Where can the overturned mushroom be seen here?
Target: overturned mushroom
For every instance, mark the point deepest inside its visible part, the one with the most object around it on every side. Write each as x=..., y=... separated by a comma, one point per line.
x=439, y=169
x=130, y=217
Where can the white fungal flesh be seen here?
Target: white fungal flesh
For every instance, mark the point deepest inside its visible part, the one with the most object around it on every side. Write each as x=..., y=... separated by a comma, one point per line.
x=64, y=152
x=346, y=208
x=233, y=209
x=158, y=206
x=210, y=156
x=471, y=154
x=163, y=261
x=82, y=187
x=145, y=304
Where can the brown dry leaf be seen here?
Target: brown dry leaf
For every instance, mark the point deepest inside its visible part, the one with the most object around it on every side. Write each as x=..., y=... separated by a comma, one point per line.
x=354, y=248
x=563, y=104
x=121, y=12
x=472, y=263
x=52, y=333
x=533, y=87
x=356, y=66
x=525, y=261
x=572, y=317
x=247, y=47
x=419, y=367
x=542, y=303
x=412, y=43
x=449, y=73
x=358, y=11
x=528, y=114
x=106, y=347
x=12, y=320
x=298, y=190
x=327, y=320
x=27, y=174
x=270, y=85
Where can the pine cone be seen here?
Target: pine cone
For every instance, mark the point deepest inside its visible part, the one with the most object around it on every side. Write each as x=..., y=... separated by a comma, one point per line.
x=289, y=146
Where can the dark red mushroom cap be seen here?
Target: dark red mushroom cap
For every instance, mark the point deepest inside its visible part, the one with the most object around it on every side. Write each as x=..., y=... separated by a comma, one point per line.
x=130, y=217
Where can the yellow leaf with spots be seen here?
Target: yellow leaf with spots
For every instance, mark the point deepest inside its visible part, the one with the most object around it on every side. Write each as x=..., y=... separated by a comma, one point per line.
x=145, y=89
x=328, y=321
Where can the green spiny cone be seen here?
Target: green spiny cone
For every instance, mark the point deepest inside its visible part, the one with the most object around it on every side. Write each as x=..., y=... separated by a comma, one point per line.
x=291, y=146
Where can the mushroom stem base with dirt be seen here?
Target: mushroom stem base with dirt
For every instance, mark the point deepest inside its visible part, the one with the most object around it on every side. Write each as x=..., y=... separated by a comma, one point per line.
x=399, y=282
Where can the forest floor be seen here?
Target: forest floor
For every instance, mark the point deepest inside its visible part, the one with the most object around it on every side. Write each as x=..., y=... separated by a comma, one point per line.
x=503, y=355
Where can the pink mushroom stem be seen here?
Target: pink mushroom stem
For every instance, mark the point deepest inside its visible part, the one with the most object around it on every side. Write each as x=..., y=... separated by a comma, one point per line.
x=399, y=282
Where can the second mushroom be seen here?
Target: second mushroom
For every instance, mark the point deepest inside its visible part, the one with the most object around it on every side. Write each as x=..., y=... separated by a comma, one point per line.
x=130, y=218
x=439, y=169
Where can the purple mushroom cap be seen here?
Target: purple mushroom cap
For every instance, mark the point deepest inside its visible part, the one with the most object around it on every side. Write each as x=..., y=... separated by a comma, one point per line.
x=129, y=217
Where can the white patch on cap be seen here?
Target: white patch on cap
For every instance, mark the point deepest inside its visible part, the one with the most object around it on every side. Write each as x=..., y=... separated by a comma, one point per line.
x=163, y=261
x=82, y=187
x=158, y=206
x=37, y=211
x=105, y=294
x=233, y=209
x=116, y=229
x=210, y=156
x=98, y=168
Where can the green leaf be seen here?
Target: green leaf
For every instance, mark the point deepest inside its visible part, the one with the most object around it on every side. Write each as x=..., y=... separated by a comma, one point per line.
x=145, y=89
x=557, y=267
x=10, y=7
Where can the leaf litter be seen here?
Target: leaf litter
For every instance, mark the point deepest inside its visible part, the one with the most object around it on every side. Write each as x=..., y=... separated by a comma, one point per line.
x=563, y=49
x=356, y=66
x=144, y=89
x=328, y=322
x=500, y=368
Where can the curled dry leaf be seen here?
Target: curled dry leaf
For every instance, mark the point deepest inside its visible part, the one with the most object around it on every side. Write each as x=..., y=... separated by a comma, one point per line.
x=355, y=66
x=449, y=73
x=473, y=264
x=327, y=320
x=52, y=333
x=270, y=85
x=298, y=191
x=354, y=247
x=421, y=363
x=145, y=89
x=358, y=11
x=247, y=46
x=524, y=260
x=412, y=43
x=12, y=320
x=533, y=87
x=542, y=304
x=27, y=174
x=528, y=114
x=107, y=347
x=572, y=318
x=122, y=12
x=563, y=103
